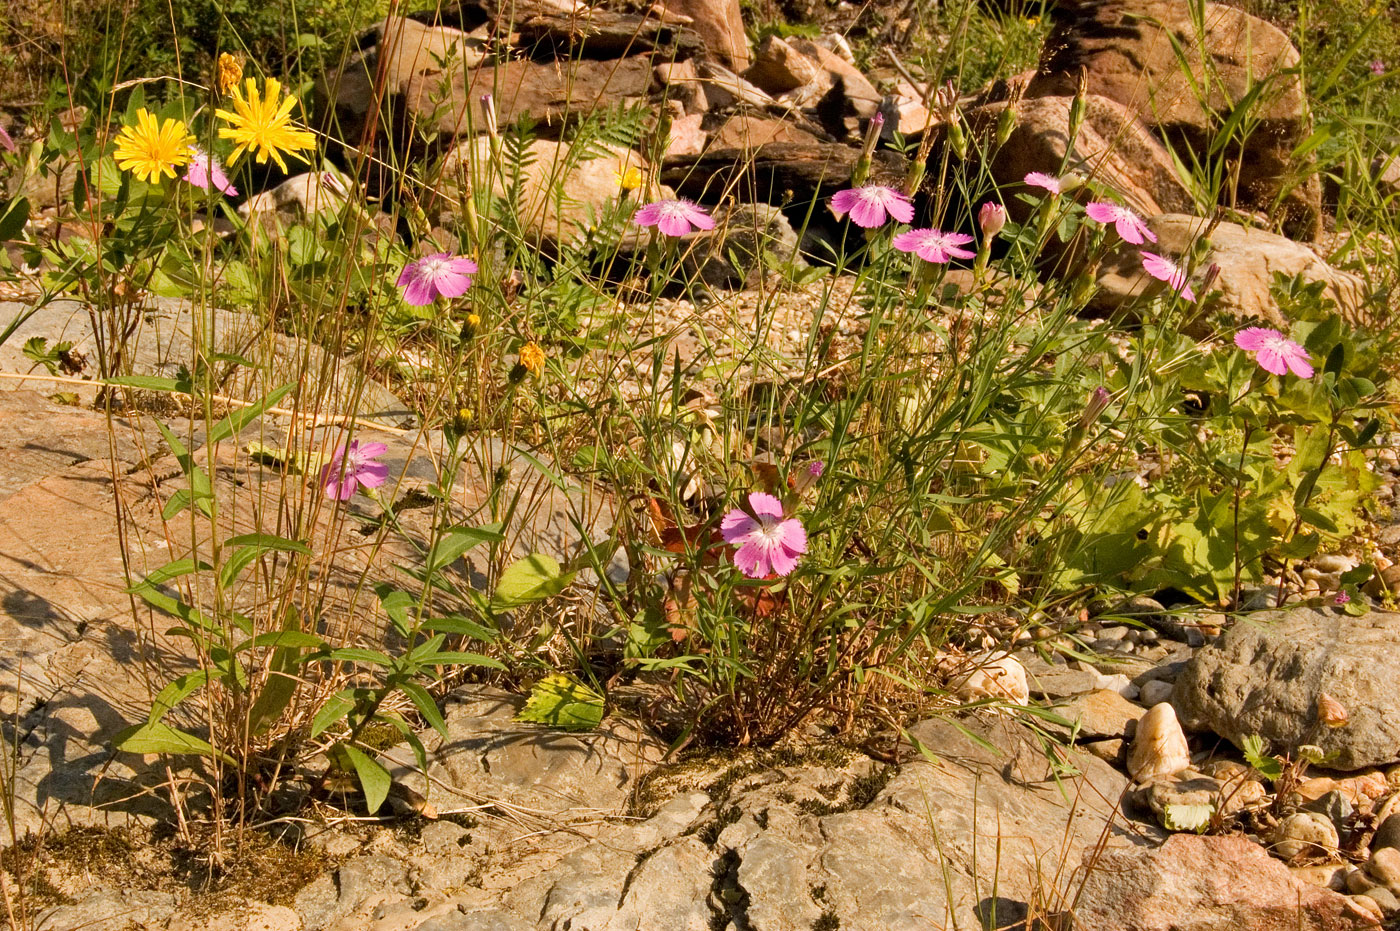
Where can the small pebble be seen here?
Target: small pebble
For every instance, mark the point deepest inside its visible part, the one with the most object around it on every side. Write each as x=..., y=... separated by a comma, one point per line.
x=1304, y=832
x=1384, y=868
x=1388, y=834
x=1370, y=906
x=1155, y=692
x=1358, y=882
x=1385, y=899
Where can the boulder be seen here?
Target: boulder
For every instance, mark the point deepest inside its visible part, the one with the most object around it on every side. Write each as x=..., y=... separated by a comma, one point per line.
x=1127, y=52
x=406, y=53
x=720, y=27
x=1195, y=883
x=563, y=192
x=779, y=68
x=1248, y=259
x=778, y=169
x=748, y=241
x=1264, y=675
x=1113, y=147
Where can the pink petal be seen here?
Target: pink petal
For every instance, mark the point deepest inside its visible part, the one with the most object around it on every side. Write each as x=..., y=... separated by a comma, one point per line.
x=1255, y=337
x=648, y=215
x=673, y=224
x=843, y=201
x=736, y=525
x=1041, y=180
x=697, y=216
x=783, y=560
x=1298, y=364
x=370, y=450
x=867, y=213
x=417, y=292
x=900, y=207
x=372, y=474
x=1132, y=232
x=1271, y=360
x=765, y=505
x=793, y=536
x=1102, y=212
x=453, y=284
x=752, y=559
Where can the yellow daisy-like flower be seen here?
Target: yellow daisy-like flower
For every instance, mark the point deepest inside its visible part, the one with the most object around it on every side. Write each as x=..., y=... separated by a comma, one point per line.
x=153, y=148
x=228, y=73
x=532, y=358
x=261, y=125
x=629, y=180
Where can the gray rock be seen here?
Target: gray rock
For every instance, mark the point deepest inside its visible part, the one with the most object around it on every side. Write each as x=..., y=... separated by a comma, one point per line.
x=1264, y=676
x=1388, y=833
x=1307, y=833
x=1384, y=868
x=102, y=908
x=163, y=341
x=489, y=755
x=1154, y=692
x=1385, y=899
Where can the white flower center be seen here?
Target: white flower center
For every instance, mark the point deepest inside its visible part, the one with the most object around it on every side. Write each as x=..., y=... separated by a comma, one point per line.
x=433, y=268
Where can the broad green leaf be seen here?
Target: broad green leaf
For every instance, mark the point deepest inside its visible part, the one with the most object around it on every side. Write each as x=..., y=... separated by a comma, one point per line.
x=162, y=738
x=425, y=705
x=459, y=540
x=146, y=383
x=240, y=418
x=176, y=692
x=267, y=541
x=463, y=626
x=564, y=702
x=451, y=658
x=201, y=490
x=12, y=220
x=359, y=655
x=531, y=579
x=336, y=707
x=396, y=604
x=171, y=570
x=374, y=778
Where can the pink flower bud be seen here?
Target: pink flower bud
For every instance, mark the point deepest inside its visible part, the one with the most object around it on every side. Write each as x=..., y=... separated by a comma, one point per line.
x=992, y=217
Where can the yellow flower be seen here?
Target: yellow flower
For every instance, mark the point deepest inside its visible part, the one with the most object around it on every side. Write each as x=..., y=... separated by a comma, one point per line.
x=227, y=73
x=629, y=180
x=532, y=357
x=152, y=148
x=258, y=124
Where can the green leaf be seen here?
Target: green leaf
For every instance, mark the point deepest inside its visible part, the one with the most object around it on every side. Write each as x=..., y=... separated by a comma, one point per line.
x=374, y=778
x=282, y=639
x=1181, y=817
x=359, y=655
x=269, y=541
x=1267, y=766
x=14, y=217
x=425, y=705
x=396, y=604
x=336, y=707
x=451, y=658
x=463, y=626
x=176, y=692
x=162, y=738
x=564, y=702
x=238, y=419
x=146, y=383
x=531, y=579
x=201, y=490
x=458, y=540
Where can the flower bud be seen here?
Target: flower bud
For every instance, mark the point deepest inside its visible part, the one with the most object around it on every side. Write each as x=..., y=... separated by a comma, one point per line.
x=1330, y=711
x=872, y=136
x=1097, y=404
x=227, y=72
x=488, y=111
x=1079, y=105
x=991, y=218
x=1208, y=279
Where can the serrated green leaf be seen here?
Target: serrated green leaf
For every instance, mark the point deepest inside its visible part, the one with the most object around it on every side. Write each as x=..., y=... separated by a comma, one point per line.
x=1267, y=766
x=528, y=580
x=374, y=778
x=563, y=702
